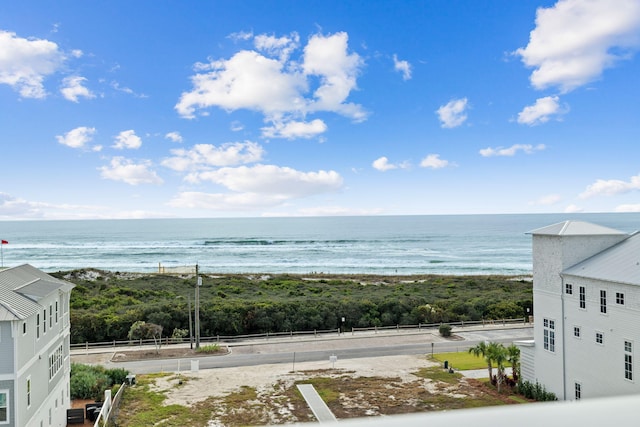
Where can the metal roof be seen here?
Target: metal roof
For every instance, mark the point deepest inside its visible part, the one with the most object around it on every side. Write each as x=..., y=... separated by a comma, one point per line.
x=22, y=287
x=575, y=228
x=620, y=263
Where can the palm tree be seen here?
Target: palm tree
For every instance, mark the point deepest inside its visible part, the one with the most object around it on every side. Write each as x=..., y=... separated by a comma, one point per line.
x=513, y=356
x=483, y=349
x=499, y=356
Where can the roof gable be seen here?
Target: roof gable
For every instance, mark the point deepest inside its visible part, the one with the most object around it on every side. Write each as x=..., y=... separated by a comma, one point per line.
x=575, y=228
x=22, y=287
x=619, y=263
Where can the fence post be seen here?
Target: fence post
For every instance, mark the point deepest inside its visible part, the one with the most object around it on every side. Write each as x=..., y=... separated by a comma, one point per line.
x=217, y=338
x=315, y=334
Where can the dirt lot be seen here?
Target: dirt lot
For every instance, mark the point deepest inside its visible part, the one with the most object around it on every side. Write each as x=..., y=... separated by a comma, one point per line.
x=267, y=394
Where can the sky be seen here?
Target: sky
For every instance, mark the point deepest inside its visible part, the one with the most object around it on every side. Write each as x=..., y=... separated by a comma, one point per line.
x=190, y=109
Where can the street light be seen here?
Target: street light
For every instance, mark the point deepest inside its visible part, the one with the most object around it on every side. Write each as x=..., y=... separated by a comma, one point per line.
x=198, y=284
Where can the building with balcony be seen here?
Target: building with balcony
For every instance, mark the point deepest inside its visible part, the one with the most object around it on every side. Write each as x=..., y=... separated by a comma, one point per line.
x=34, y=348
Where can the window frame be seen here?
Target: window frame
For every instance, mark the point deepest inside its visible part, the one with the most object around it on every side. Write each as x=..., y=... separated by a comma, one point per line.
x=568, y=288
x=7, y=407
x=577, y=332
x=628, y=360
x=603, y=301
x=599, y=338
x=29, y=392
x=620, y=298
x=583, y=297
x=549, y=334
x=577, y=390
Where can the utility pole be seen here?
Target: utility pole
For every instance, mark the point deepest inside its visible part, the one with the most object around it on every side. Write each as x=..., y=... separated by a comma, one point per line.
x=190, y=323
x=198, y=284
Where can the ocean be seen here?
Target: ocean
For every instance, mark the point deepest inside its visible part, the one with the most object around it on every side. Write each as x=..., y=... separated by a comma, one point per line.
x=386, y=245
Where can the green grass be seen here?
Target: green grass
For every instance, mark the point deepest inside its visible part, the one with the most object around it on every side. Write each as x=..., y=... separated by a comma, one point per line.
x=462, y=360
x=436, y=373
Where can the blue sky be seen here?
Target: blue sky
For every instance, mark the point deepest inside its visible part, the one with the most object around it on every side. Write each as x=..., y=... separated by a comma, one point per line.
x=143, y=109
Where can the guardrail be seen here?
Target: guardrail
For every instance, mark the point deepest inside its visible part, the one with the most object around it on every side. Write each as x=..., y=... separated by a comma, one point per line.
x=293, y=334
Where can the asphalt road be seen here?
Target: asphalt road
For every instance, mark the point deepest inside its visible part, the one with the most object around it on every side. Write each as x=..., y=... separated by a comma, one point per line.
x=291, y=352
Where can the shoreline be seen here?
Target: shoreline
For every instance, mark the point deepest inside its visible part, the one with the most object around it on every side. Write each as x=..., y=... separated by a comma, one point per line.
x=90, y=273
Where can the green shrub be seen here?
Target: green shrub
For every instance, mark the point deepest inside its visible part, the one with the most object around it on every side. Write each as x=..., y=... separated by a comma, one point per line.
x=535, y=391
x=209, y=348
x=445, y=330
x=90, y=382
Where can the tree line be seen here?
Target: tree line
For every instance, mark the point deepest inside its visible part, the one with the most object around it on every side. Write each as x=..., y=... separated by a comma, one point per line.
x=104, y=306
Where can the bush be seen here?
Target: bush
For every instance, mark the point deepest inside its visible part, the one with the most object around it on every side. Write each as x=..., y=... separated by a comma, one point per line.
x=535, y=391
x=90, y=382
x=445, y=330
x=208, y=349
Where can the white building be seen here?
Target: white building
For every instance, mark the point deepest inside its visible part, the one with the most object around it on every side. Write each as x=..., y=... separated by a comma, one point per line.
x=34, y=348
x=586, y=299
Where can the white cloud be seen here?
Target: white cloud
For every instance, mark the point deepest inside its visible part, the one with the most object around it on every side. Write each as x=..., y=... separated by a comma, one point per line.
x=541, y=111
x=174, y=136
x=511, y=151
x=24, y=63
x=256, y=187
x=295, y=129
x=12, y=207
x=225, y=201
x=382, y=164
x=127, y=139
x=628, y=208
x=283, y=89
x=121, y=169
x=246, y=81
x=453, y=114
x=611, y=187
x=207, y=155
x=433, y=161
x=282, y=47
x=573, y=209
x=236, y=126
x=78, y=137
x=271, y=179
x=575, y=40
x=550, y=199
x=402, y=66
x=73, y=88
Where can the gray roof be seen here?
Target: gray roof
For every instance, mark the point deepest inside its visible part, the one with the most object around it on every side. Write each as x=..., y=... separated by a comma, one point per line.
x=22, y=287
x=619, y=263
x=575, y=228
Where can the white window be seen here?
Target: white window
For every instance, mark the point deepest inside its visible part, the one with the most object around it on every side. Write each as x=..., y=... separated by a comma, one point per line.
x=38, y=326
x=24, y=328
x=599, y=338
x=4, y=406
x=549, y=335
x=578, y=391
x=28, y=392
x=568, y=288
x=50, y=316
x=582, y=292
x=603, y=301
x=628, y=360
x=56, y=312
x=55, y=361
x=576, y=331
x=619, y=298
x=44, y=322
